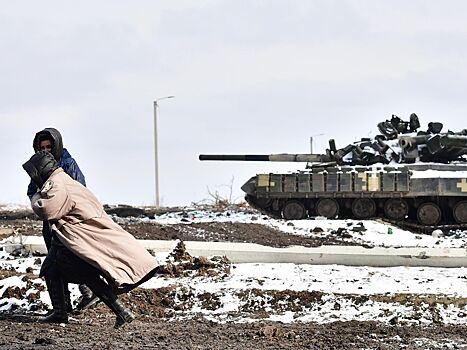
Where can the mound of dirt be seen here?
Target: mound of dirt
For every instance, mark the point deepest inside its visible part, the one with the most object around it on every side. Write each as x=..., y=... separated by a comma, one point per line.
x=182, y=264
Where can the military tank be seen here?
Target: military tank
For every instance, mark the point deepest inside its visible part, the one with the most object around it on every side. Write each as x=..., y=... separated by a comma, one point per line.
x=403, y=175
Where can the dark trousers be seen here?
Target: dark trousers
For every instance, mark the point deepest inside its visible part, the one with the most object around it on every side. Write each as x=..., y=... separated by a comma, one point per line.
x=47, y=234
x=61, y=264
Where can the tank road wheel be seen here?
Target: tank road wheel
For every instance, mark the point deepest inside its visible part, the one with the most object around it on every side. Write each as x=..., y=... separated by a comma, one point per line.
x=429, y=214
x=294, y=210
x=460, y=212
x=396, y=209
x=363, y=208
x=327, y=207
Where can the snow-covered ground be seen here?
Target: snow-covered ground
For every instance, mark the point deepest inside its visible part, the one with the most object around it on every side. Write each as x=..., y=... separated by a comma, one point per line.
x=256, y=286
x=367, y=232
x=288, y=292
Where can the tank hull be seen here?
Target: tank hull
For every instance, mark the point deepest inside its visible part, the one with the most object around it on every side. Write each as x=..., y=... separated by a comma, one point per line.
x=430, y=194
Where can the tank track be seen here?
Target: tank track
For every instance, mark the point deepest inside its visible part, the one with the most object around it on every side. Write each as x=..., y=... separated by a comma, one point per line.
x=265, y=211
x=405, y=225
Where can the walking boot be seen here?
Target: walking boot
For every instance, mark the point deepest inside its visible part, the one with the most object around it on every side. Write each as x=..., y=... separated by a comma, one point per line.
x=87, y=299
x=57, y=297
x=85, y=302
x=124, y=315
x=108, y=296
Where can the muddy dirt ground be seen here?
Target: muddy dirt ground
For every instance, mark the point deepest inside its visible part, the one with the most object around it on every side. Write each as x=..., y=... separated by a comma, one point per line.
x=92, y=329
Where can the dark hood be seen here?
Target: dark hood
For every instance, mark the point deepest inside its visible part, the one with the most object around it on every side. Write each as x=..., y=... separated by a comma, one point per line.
x=57, y=148
x=40, y=166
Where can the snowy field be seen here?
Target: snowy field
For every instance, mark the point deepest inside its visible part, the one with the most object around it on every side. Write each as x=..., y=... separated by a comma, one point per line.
x=369, y=232
x=288, y=292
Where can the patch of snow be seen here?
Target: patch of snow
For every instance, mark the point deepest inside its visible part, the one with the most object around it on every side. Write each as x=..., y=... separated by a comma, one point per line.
x=13, y=207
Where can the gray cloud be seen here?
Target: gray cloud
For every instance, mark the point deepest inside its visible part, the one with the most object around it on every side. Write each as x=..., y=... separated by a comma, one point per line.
x=249, y=77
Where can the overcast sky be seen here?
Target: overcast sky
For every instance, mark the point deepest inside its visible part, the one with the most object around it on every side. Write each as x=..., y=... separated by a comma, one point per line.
x=248, y=76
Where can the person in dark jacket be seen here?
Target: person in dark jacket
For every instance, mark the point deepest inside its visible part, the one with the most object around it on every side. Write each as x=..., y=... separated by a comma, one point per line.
x=50, y=140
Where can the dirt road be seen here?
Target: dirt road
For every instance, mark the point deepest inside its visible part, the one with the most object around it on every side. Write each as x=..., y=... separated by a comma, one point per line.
x=93, y=330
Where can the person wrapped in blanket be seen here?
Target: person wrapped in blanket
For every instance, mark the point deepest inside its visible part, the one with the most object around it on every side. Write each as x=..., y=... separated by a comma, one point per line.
x=87, y=246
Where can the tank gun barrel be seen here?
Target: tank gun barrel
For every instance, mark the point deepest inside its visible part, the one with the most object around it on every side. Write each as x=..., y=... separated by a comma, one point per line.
x=236, y=157
x=283, y=157
x=407, y=142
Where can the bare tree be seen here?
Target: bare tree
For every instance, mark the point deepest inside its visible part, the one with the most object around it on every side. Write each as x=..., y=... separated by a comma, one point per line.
x=222, y=201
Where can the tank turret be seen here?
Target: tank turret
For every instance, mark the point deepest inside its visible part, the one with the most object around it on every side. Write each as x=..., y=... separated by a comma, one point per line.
x=404, y=175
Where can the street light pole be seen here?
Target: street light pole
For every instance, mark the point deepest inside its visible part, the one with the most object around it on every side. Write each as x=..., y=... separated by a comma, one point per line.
x=156, y=156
